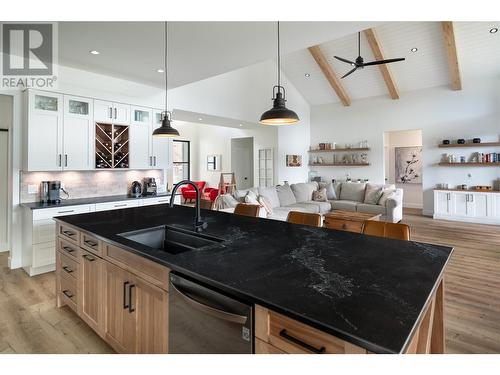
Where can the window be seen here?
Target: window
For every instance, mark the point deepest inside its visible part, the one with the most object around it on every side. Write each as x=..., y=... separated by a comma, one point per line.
x=181, y=161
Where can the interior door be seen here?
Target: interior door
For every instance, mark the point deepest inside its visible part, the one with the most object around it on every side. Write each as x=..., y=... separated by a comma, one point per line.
x=121, y=114
x=151, y=305
x=139, y=140
x=78, y=137
x=103, y=111
x=242, y=162
x=120, y=322
x=91, y=283
x=45, y=131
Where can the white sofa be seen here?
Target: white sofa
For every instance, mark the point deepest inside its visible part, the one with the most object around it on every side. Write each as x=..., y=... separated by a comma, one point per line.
x=347, y=196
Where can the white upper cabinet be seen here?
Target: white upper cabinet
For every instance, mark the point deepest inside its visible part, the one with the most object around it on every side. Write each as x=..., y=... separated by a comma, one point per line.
x=111, y=113
x=78, y=134
x=161, y=147
x=44, y=132
x=140, y=138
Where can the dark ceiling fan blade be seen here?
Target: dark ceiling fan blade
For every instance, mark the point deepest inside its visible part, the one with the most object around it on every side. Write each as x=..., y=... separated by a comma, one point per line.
x=344, y=60
x=350, y=72
x=388, y=61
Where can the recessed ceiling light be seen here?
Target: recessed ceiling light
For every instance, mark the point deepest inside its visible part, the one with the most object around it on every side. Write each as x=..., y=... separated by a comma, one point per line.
x=241, y=124
x=160, y=71
x=200, y=119
x=414, y=49
x=494, y=30
x=307, y=75
x=94, y=52
x=353, y=64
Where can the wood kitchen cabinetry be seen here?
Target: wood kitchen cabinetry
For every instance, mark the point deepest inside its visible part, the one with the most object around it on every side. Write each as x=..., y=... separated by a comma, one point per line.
x=121, y=296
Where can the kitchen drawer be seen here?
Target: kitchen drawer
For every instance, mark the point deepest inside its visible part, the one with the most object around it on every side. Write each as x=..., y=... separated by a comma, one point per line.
x=49, y=213
x=157, y=200
x=150, y=271
x=262, y=347
x=44, y=254
x=116, y=205
x=70, y=250
x=44, y=231
x=91, y=244
x=347, y=225
x=293, y=337
x=69, y=234
x=67, y=266
x=67, y=290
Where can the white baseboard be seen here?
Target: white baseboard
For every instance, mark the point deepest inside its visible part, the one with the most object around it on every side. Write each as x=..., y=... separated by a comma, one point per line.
x=4, y=246
x=427, y=213
x=412, y=205
x=33, y=271
x=467, y=219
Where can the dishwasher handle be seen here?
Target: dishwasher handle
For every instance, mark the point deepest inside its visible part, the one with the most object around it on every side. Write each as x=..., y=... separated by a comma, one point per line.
x=224, y=315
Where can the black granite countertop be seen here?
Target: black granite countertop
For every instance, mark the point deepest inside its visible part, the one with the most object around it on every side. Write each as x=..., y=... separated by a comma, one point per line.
x=90, y=200
x=367, y=290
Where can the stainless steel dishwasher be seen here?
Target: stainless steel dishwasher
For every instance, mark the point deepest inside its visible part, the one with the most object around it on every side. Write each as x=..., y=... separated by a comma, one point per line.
x=202, y=320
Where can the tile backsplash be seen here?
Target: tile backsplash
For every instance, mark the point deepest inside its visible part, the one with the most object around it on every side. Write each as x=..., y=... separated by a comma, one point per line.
x=87, y=184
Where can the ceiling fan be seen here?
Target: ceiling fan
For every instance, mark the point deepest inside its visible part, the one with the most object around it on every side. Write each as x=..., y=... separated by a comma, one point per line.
x=359, y=62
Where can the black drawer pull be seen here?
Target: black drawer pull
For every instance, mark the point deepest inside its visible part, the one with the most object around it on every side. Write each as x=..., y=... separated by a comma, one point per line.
x=68, y=249
x=90, y=243
x=68, y=294
x=305, y=345
x=120, y=205
x=130, y=308
x=65, y=212
x=125, y=304
x=67, y=269
x=68, y=233
x=88, y=257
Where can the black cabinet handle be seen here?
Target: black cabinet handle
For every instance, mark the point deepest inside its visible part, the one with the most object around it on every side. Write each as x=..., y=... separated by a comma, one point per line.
x=68, y=233
x=65, y=160
x=88, y=257
x=305, y=345
x=67, y=269
x=68, y=294
x=65, y=212
x=131, y=309
x=68, y=249
x=125, y=304
x=90, y=243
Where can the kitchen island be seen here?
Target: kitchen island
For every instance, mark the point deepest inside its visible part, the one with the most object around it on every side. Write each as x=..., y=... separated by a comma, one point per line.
x=314, y=289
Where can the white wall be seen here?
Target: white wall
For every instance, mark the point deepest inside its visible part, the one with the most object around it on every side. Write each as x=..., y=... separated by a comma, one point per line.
x=412, y=196
x=440, y=112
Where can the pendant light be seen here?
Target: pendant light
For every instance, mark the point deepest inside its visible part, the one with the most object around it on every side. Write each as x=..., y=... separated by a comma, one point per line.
x=279, y=114
x=166, y=130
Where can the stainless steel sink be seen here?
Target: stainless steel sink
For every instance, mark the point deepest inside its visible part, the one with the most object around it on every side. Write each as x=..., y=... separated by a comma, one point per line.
x=170, y=239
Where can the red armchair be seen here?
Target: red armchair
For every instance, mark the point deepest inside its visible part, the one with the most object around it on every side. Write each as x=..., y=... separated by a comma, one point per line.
x=210, y=194
x=188, y=191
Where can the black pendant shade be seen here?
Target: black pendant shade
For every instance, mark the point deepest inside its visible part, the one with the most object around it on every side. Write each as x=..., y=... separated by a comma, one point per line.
x=165, y=130
x=279, y=114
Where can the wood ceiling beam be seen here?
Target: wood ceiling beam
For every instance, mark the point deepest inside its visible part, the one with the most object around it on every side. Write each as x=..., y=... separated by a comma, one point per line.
x=330, y=75
x=451, y=50
x=374, y=42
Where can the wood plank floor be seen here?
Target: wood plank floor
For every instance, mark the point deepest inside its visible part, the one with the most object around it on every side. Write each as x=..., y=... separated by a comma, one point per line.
x=30, y=322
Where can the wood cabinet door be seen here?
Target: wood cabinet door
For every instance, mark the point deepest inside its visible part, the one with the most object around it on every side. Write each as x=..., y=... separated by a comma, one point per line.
x=119, y=322
x=91, y=306
x=151, y=308
x=78, y=144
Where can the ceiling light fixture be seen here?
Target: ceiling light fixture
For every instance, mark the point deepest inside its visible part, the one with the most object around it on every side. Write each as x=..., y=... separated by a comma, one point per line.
x=307, y=75
x=200, y=119
x=94, y=52
x=494, y=30
x=161, y=71
x=166, y=130
x=241, y=125
x=414, y=49
x=279, y=114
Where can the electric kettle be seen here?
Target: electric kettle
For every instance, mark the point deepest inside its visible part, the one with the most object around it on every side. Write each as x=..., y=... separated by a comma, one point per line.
x=135, y=189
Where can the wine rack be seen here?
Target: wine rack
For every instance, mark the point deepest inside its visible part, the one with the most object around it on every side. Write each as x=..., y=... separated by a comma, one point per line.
x=111, y=146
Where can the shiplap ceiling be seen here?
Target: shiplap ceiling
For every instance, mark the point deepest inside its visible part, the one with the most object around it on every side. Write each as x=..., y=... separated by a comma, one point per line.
x=478, y=52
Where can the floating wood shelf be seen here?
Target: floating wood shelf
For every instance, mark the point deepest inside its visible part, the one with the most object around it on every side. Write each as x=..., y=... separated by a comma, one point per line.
x=470, y=164
x=342, y=150
x=340, y=165
x=486, y=144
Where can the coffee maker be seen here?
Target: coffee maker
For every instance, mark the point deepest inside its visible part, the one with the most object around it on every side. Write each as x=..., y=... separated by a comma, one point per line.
x=149, y=187
x=50, y=191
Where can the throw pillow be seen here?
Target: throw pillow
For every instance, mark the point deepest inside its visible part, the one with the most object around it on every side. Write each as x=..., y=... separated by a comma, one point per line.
x=372, y=194
x=228, y=201
x=264, y=202
x=285, y=195
x=330, y=191
x=271, y=195
x=320, y=195
x=251, y=198
x=386, y=194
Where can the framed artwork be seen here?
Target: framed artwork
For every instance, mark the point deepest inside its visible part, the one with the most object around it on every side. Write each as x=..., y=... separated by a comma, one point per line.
x=213, y=162
x=408, y=165
x=294, y=160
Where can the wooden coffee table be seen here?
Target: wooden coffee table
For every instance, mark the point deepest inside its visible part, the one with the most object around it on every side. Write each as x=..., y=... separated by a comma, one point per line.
x=348, y=221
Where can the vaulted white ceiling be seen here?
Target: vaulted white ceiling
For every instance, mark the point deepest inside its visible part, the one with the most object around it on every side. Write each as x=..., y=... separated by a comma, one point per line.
x=478, y=54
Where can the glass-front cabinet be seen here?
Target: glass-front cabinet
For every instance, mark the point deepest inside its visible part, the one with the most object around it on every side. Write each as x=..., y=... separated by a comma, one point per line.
x=46, y=102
